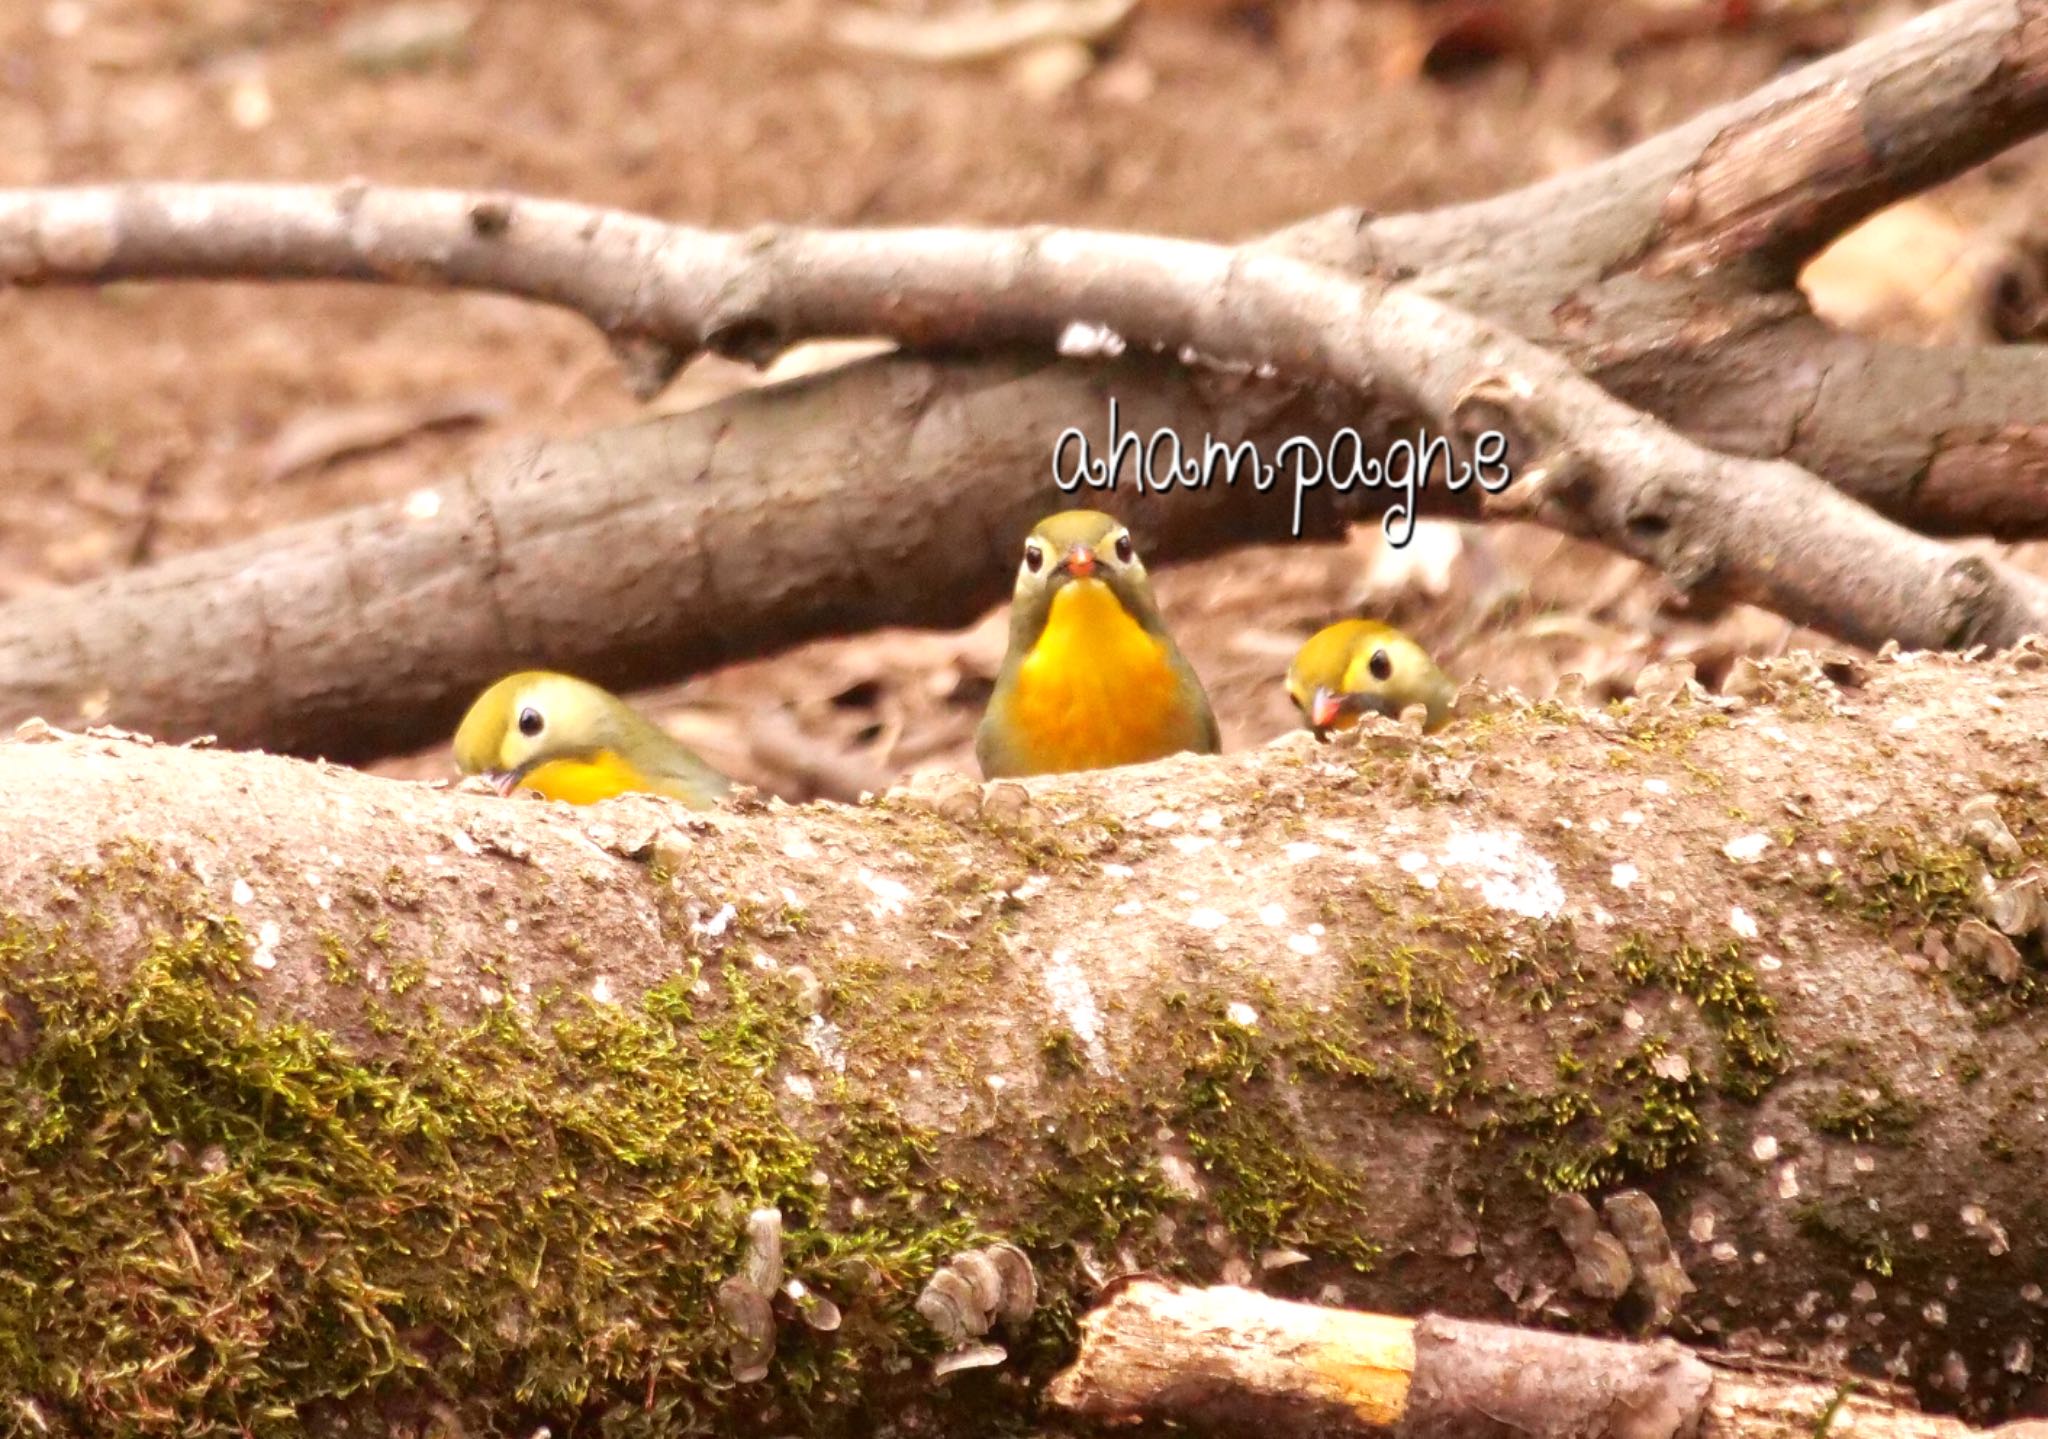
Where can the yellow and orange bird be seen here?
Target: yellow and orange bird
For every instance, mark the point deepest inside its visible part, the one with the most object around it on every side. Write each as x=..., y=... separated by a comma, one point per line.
x=1091, y=679
x=1355, y=667
x=572, y=741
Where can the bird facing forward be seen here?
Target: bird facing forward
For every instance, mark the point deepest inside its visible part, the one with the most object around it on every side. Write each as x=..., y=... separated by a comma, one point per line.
x=1091, y=679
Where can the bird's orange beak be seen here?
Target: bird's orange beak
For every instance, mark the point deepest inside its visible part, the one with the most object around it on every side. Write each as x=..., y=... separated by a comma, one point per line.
x=1080, y=562
x=1323, y=708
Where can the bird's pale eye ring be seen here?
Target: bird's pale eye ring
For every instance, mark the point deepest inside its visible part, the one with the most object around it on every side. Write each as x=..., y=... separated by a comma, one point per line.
x=1382, y=667
x=1125, y=550
x=530, y=722
x=1034, y=558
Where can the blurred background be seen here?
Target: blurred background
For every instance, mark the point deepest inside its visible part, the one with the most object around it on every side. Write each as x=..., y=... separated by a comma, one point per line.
x=141, y=421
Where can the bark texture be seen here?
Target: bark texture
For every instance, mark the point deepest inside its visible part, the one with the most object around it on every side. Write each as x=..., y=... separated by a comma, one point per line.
x=635, y=556
x=1214, y=1358
x=373, y=1102
x=1663, y=274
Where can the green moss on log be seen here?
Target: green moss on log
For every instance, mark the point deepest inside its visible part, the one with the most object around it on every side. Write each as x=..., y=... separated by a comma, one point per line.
x=214, y=1220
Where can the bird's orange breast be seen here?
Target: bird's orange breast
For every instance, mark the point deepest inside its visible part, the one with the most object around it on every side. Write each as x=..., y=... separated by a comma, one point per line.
x=1097, y=689
x=586, y=781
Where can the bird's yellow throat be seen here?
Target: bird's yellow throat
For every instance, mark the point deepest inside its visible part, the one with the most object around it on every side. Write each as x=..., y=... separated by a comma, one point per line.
x=586, y=781
x=1096, y=689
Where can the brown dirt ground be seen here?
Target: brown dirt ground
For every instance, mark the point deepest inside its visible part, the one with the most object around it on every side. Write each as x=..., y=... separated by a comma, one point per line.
x=139, y=421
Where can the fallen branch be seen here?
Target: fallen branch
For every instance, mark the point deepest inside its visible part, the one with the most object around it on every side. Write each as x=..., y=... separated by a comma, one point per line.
x=362, y=1094
x=1231, y=1359
x=1723, y=528
x=979, y=34
x=302, y=651
x=724, y=533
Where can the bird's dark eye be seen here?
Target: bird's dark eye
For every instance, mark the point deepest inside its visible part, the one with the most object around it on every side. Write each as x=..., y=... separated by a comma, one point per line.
x=1034, y=558
x=530, y=722
x=1381, y=665
x=1125, y=550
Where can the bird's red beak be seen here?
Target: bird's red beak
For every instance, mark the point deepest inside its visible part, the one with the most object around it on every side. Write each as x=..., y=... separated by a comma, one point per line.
x=1080, y=562
x=1323, y=708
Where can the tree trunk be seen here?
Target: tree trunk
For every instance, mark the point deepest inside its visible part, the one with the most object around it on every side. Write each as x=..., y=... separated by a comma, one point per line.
x=329, y=1095
x=633, y=556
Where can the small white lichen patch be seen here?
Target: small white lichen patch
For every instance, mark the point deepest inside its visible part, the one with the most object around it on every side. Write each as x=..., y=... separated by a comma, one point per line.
x=1083, y=340
x=1631, y=817
x=241, y=892
x=800, y=1086
x=1127, y=908
x=1300, y=850
x=1162, y=819
x=1625, y=875
x=1118, y=871
x=1765, y=1149
x=1209, y=819
x=715, y=926
x=1192, y=843
x=1180, y=1177
x=1413, y=862
x=1657, y=786
x=1272, y=915
x=824, y=1039
x=268, y=936
x=423, y=504
x=889, y=894
x=601, y=990
x=1209, y=919
x=1769, y=962
x=1074, y=1001
x=1241, y=1014
x=1304, y=944
x=1788, y=1181
x=1510, y=875
x=1746, y=847
x=1741, y=923
x=798, y=847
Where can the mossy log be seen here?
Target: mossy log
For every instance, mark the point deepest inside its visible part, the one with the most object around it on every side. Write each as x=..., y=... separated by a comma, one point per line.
x=366, y=1106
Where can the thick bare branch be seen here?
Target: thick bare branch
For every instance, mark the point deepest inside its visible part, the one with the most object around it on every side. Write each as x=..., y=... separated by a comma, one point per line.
x=1732, y=529
x=1228, y=1358
x=637, y=555
x=1945, y=441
